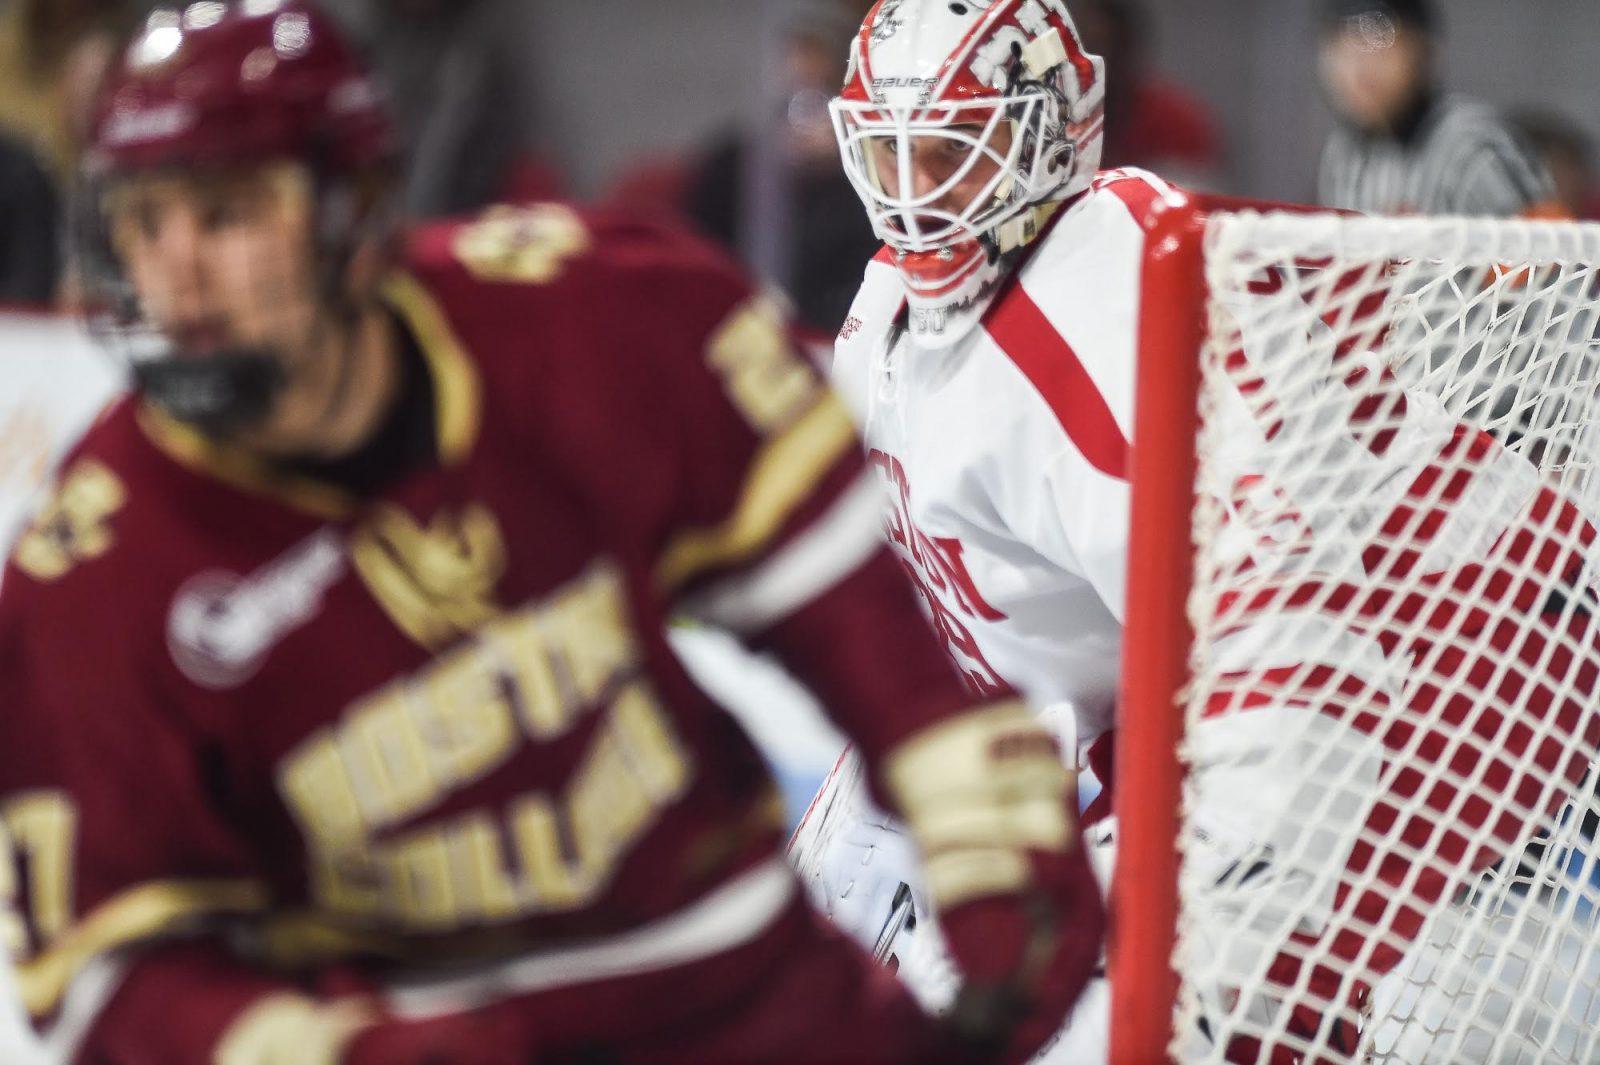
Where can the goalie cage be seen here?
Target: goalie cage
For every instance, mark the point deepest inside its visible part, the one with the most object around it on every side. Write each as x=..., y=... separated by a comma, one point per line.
x=1356, y=757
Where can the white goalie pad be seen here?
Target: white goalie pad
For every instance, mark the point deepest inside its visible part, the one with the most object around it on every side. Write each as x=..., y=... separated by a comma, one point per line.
x=860, y=868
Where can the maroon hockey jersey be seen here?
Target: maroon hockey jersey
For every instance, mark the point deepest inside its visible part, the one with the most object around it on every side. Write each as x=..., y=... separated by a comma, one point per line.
x=442, y=725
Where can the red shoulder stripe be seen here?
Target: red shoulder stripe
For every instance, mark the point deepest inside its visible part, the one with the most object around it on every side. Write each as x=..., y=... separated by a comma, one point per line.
x=1140, y=196
x=1043, y=355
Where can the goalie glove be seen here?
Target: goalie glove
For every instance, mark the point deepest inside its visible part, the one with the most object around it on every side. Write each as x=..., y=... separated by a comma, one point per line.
x=861, y=869
x=991, y=806
x=852, y=857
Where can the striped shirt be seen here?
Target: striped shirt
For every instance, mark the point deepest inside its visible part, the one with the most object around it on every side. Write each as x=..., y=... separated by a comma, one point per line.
x=1459, y=158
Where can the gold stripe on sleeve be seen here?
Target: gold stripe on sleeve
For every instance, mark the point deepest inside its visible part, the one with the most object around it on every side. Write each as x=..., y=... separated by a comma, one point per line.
x=139, y=913
x=783, y=474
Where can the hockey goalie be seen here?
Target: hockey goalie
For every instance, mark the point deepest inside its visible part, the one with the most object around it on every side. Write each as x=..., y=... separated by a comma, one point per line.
x=1398, y=630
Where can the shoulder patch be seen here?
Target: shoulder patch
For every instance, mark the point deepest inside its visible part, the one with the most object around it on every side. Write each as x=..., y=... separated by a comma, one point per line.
x=75, y=525
x=521, y=245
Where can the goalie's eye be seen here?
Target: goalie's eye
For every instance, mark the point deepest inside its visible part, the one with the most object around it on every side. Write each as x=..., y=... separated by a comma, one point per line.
x=950, y=149
x=944, y=150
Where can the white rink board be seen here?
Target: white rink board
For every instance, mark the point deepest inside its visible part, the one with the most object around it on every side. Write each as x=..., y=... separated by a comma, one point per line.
x=53, y=381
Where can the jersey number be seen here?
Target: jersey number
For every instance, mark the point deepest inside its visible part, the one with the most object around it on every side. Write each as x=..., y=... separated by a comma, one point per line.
x=765, y=376
x=37, y=836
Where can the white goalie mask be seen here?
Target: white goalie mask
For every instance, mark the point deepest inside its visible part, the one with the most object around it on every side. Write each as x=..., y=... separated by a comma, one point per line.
x=961, y=122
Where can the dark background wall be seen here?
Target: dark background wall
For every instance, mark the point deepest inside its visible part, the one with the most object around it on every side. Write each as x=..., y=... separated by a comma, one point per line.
x=615, y=80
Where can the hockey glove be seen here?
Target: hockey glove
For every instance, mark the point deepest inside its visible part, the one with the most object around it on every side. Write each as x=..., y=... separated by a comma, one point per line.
x=991, y=805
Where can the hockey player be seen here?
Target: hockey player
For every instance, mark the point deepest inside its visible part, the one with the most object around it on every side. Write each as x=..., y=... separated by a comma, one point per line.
x=990, y=359
x=339, y=725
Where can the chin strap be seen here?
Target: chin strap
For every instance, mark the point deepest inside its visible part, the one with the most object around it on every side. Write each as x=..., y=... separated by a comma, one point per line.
x=220, y=394
x=1026, y=227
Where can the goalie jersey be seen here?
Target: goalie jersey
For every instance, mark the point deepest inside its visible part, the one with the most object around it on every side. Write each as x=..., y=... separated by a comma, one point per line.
x=439, y=723
x=1006, y=454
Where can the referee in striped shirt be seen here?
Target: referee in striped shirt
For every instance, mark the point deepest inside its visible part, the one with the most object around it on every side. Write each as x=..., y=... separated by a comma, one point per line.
x=1403, y=146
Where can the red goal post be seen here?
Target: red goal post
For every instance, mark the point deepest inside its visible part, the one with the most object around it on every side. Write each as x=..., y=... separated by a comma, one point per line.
x=1364, y=472
x=1144, y=886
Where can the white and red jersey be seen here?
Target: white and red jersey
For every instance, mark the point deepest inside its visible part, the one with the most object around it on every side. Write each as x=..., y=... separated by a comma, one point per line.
x=1006, y=453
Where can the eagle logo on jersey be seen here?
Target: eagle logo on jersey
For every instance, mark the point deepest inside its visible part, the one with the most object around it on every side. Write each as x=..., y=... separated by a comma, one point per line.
x=75, y=525
x=437, y=583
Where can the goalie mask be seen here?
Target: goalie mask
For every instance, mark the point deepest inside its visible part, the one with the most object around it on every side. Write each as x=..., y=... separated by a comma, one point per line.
x=961, y=124
x=214, y=106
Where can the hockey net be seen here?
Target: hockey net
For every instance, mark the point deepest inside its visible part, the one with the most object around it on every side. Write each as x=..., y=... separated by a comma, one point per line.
x=1380, y=487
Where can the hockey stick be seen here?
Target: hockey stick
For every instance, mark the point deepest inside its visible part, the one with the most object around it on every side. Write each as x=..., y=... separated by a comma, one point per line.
x=901, y=917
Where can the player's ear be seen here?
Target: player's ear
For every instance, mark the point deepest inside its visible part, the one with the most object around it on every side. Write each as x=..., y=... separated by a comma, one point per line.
x=369, y=261
x=375, y=223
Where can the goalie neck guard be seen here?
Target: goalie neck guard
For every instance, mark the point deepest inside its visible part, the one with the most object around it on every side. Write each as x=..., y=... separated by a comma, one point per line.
x=961, y=124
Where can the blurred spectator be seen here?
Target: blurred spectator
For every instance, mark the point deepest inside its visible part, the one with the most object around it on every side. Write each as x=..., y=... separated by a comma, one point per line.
x=52, y=53
x=30, y=240
x=775, y=193
x=1568, y=154
x=1150, y=121
x=1403, y=145
x=454, y=70
x=52, y=56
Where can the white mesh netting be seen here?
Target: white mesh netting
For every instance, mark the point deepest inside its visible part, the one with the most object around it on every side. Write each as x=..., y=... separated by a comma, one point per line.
x=1393, y=718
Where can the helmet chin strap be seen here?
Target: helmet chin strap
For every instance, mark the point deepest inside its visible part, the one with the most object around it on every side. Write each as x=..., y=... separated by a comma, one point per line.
x=349, y=326
x=344, y=224
x=1024, y=229
x=229, y=392
x=942, y=322
x=221, y=394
